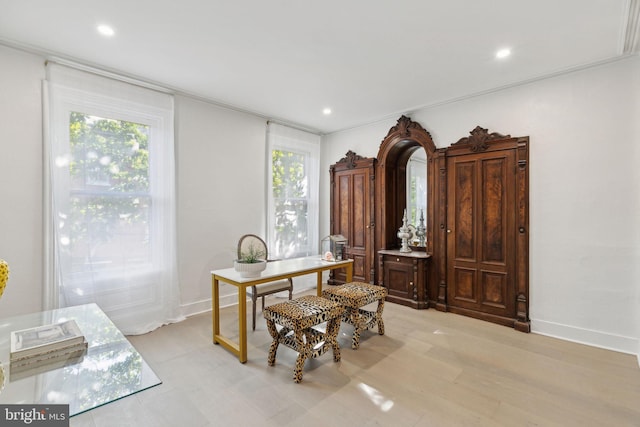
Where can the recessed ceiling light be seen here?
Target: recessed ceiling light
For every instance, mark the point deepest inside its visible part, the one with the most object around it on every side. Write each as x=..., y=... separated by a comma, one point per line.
x=503, y=53
x=106, y=30
x=326, y=111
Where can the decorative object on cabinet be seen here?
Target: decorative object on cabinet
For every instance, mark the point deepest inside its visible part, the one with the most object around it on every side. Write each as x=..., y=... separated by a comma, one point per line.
x=405, y=234
x=412, y=230
x=352, y=194
x=421, y=231
x=405, y=276
x=253, y=248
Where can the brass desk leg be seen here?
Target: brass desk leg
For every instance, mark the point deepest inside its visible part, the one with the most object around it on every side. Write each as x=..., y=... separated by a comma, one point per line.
x=319, y=284
x=242, y=323
x=215, y=308
x=349, y=272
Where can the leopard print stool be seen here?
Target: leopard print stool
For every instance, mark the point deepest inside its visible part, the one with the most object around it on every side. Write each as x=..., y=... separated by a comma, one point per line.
x=353, y=296
x=298, y=318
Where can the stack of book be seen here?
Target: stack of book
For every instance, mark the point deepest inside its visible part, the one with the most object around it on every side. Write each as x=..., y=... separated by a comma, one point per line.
x=54, y=344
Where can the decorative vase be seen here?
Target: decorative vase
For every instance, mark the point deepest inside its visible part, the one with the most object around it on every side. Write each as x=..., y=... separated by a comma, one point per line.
x=421, y=231
x=405, y=234
x=4, y=275
x=250, y=269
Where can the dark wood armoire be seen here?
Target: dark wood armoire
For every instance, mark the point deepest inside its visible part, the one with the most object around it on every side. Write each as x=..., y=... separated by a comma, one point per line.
x=352, y=212
x=476, y=260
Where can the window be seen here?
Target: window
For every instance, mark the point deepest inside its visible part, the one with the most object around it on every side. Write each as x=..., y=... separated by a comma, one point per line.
x=112, y=198
x=292, y=219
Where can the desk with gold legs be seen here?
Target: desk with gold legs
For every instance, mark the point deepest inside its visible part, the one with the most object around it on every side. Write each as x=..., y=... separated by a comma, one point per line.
x=275, y=270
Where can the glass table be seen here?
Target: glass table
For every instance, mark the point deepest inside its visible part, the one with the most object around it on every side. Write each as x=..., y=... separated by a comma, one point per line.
x=110, y=369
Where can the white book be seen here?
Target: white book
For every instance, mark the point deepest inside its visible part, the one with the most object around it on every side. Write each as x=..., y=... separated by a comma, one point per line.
x=34, y=365
x=50, y=354
x=44, y=339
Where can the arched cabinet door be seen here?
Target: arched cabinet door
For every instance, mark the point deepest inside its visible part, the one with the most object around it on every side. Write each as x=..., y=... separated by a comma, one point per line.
x=401, y=142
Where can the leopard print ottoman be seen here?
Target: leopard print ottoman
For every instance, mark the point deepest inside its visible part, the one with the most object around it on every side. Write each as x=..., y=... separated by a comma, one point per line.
x=298, y=318
x=353, y=296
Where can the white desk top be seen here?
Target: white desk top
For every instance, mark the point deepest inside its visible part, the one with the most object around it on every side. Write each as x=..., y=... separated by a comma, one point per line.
x=282, y=267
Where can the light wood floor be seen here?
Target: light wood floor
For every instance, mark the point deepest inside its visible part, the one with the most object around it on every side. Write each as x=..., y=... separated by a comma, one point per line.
x=430, y=369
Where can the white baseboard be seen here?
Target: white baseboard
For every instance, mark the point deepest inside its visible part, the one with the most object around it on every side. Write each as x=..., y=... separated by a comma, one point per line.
x=197, y=307
x=593, y=338
x=203, y=306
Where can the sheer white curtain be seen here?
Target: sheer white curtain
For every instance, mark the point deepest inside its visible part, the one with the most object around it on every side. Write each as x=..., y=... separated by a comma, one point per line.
x=293, y=158
x=110, y=207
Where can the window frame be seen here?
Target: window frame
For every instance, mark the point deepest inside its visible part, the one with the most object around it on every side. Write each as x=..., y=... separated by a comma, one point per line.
x=284, y=138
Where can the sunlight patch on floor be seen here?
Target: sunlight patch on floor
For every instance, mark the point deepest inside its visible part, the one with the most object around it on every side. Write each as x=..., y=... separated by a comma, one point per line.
x=376, y=397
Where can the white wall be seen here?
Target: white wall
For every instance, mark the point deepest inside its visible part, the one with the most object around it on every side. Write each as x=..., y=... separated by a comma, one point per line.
x=21, y=179
x=584, y=192
x=221, y=171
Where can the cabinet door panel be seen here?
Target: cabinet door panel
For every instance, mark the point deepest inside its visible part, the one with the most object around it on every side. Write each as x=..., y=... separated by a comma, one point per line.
x=481, y=232
x=464, y=200
x=398, y=278
x=359, y=208
x=494, y=211
x=466, y=286
x=495, y=290
x=342, y=206
x=359, y=267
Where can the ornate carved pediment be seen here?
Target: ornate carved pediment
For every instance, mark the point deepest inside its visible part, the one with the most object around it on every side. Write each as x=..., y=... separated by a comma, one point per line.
x=350, y=159
x=404, y=127
x=479, y=138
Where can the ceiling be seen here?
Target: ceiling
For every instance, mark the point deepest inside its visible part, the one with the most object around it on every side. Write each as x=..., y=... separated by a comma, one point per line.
x=287, y=60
